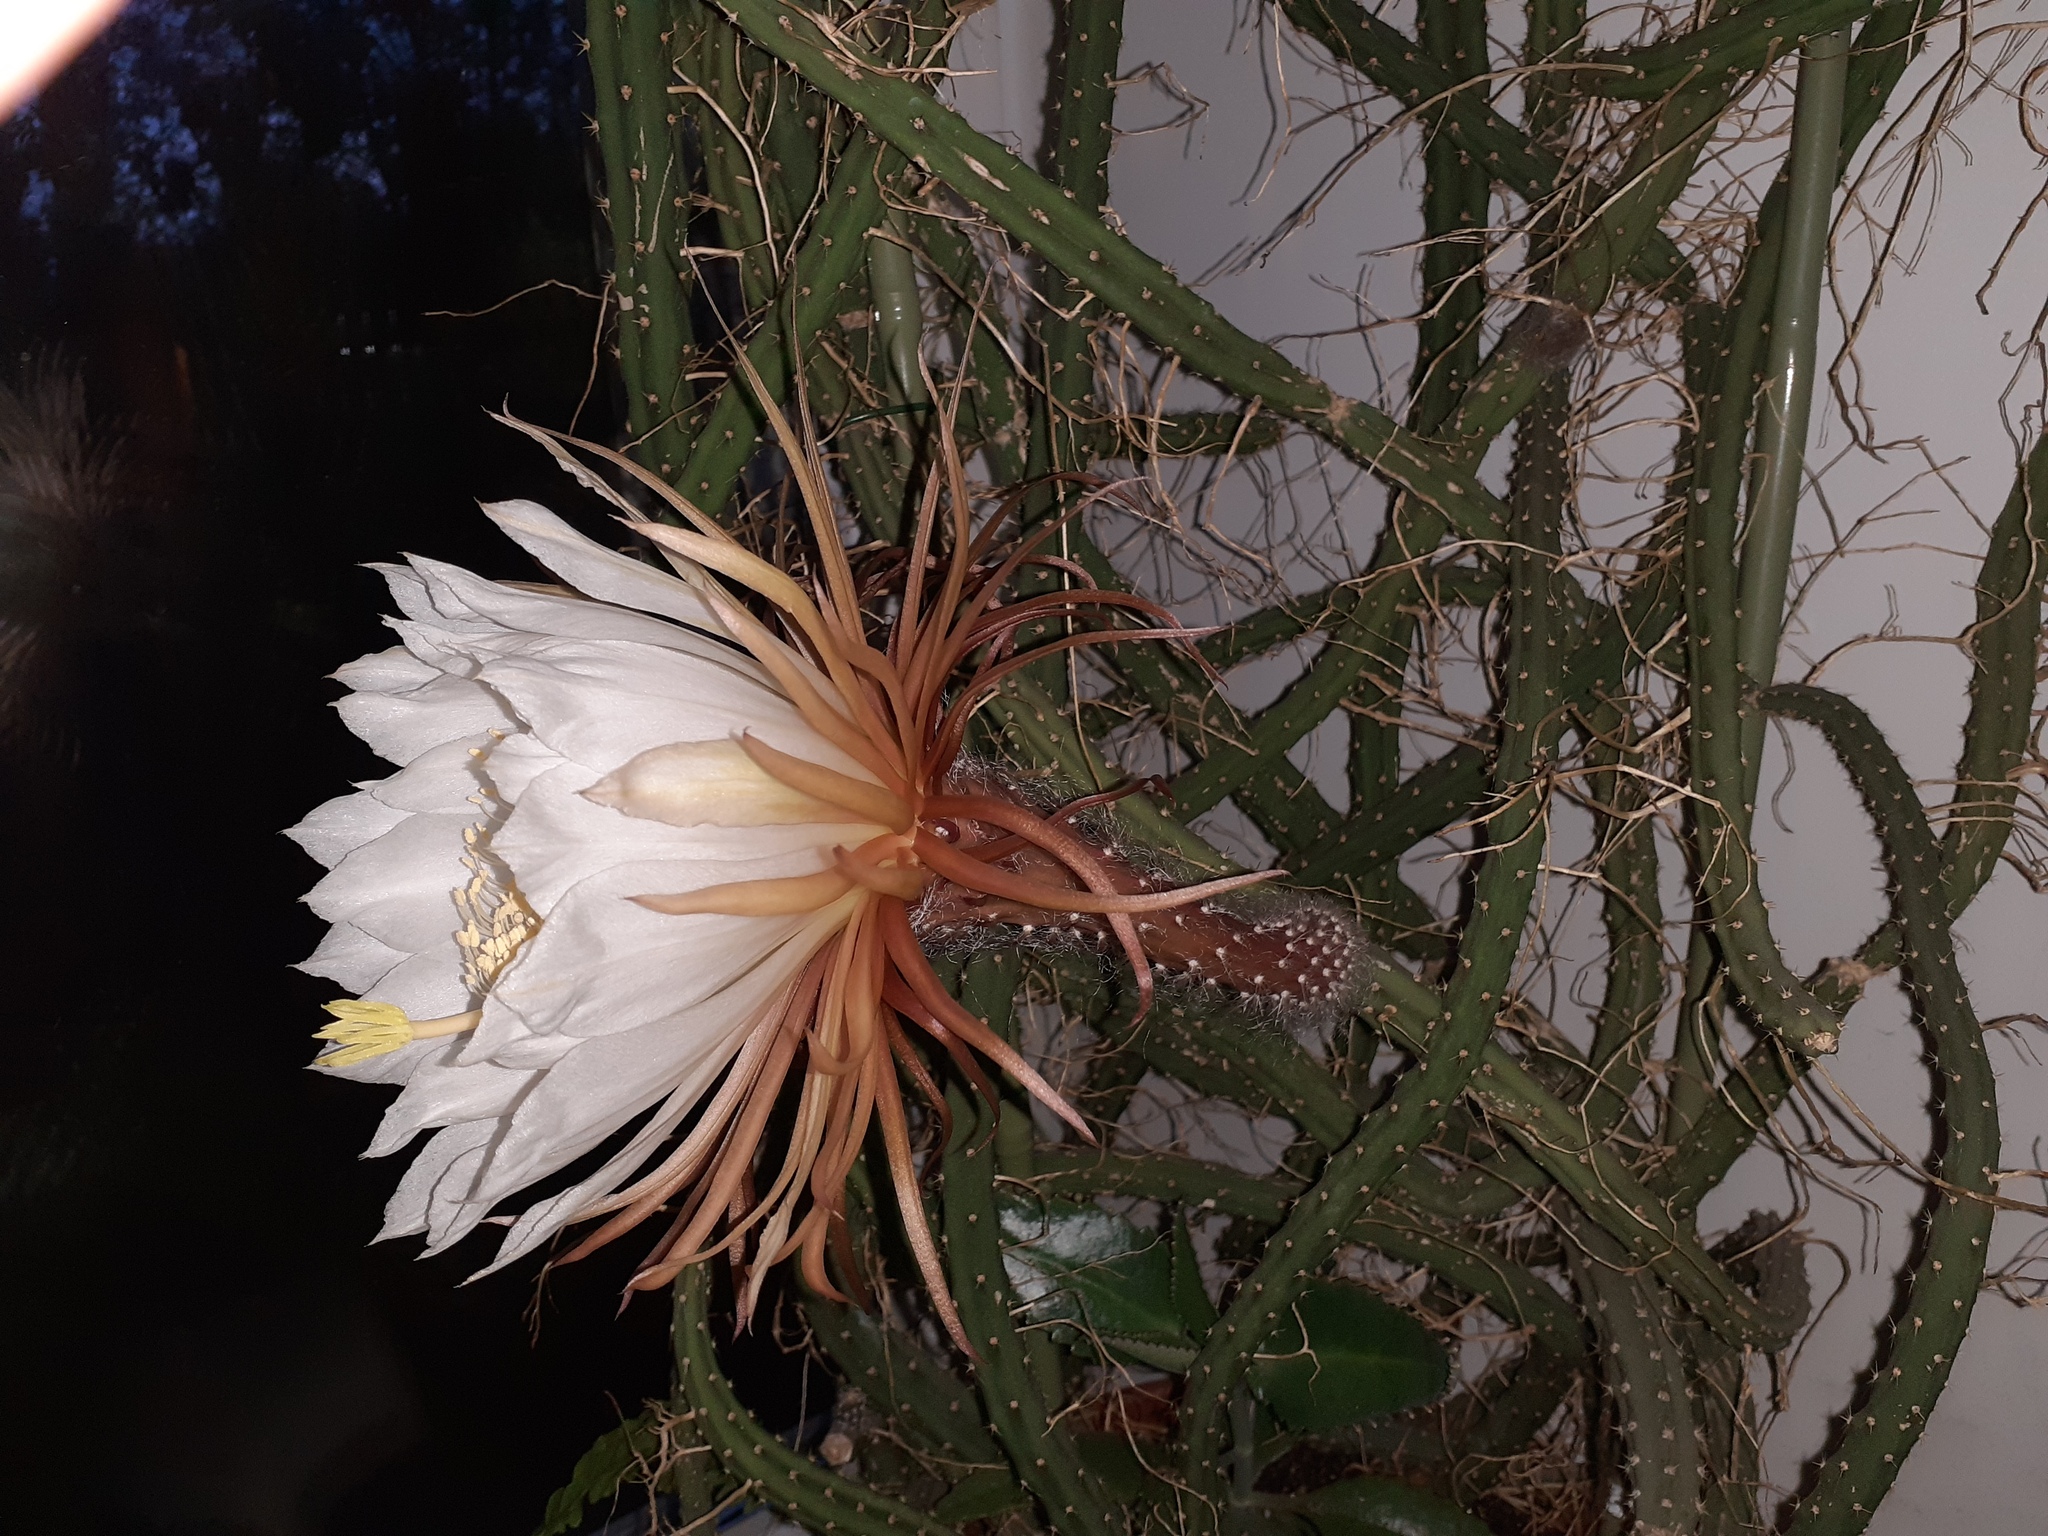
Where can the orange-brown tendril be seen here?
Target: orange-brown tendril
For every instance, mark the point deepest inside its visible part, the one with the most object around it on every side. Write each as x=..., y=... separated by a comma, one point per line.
x=900, y=711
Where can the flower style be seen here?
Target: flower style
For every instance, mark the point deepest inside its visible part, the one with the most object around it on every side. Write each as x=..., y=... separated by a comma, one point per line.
x=645, y=856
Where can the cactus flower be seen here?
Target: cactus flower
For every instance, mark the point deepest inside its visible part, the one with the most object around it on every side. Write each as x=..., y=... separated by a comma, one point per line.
x=645, y=857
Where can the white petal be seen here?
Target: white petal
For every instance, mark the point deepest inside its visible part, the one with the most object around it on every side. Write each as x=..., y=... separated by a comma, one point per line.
x=394, y=671
x=544, y=1218
x=351, y=957
x=513, y=1045
x=447, y=646
x=443, y=778
x=510, y=765
x=408, y=591
x=401, y=727
x=601, y=964
x=343, y=825
x=591, y=568
x=439, y=1177
x=400, y=887
x=427, y=986
x=445, y=1091
x=554, y=839
x=604, y=1082
x=602, y=704
x=455, y=591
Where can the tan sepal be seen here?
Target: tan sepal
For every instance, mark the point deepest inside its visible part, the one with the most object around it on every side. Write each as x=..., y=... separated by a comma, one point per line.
x=868, y=802
x=754, y=898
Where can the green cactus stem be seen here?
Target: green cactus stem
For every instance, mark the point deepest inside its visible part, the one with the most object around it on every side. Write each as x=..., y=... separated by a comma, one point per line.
x=779, y=1477
x=1109, y=267
x=1595, y=1173
x=1780, y=999
x=1746, y=38
x=1383, y=54
x=1456, y=199
x=1313, y=613
x=1473, y=1265
x=1995, y=736
x=2005, y=635
x=646, y=206
x=1091, y=37
x=1643, y=1364
x=1787, y=403
x=827, y=263
x=1928, y=1328
x=898, y=310
x=1598, y=1178
x=892, y=1369
x=1038, y=1445
x=1632, y=915
x=1419, y=1101
x=1265, y=1071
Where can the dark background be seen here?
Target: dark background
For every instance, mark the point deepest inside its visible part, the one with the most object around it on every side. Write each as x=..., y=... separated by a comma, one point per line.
x=233, y=219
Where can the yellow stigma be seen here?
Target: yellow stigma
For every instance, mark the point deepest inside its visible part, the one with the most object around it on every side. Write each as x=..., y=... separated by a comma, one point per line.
x=362, y=1029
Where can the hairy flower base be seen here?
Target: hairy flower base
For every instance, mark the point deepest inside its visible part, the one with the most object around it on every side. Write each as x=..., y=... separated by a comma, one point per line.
x=1282, y=952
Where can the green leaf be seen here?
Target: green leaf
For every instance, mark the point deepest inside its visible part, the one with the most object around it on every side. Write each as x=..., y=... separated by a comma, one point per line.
x=614, y=1458
x=1378, y=1506
x=1081, y=1264
x=1360, y=1359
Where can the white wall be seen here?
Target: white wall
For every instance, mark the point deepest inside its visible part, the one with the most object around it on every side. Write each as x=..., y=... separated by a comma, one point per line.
x=1202, y=197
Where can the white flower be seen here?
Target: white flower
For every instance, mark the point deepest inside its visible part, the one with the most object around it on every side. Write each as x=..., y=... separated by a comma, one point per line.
x=516, y=717
x=642, y=857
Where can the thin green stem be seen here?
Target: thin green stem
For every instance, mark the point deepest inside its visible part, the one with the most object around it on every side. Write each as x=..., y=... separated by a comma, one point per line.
x=1787, y=403
x=896, y=1375
x=1780, y=1000
x=1530, y=170
x=898, y=311
x=2001, y=644
x=712, y=60
x=1420, y=1100
x=1112, y=271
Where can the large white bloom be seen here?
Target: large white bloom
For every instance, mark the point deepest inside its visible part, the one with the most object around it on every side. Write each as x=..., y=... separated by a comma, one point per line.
x=540, y=788
x=644, y=854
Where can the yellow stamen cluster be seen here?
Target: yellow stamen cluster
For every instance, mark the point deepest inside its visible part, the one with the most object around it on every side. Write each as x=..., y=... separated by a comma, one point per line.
x=495, y=918
x=495, y=922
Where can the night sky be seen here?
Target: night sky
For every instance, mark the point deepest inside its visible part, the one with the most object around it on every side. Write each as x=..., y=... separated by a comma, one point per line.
x=233, y=219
